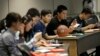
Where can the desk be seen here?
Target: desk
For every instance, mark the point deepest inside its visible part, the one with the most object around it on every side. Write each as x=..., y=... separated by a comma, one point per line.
x=80, y=44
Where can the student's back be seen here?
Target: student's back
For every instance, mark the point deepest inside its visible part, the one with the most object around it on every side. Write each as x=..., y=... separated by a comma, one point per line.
x=6, y=41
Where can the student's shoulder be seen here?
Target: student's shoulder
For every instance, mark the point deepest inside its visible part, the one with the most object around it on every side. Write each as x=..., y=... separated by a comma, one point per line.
x=6, y=34
x=38, y=25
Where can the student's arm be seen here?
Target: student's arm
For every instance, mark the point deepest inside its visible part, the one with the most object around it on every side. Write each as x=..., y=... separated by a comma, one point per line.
x=11, y=45
x=48, y=37
x=90, y=26
x=35, y=40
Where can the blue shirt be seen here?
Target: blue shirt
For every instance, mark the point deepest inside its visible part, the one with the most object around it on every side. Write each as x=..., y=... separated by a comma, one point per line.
x=40, y=27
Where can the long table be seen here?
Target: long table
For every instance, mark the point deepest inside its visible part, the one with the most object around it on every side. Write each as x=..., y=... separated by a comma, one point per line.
x=81, y=43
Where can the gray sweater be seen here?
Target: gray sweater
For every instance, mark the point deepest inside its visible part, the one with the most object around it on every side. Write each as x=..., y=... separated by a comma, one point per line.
x=8, y=44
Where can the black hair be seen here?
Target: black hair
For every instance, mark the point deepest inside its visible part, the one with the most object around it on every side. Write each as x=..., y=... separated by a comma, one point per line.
x=60, y=8
x=11, y=18
x=45, y=12
x=3, y=25
x=87, y=11
x=26, y=19
x=32, y=12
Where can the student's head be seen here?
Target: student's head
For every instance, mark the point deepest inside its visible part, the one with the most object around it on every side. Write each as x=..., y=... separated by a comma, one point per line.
x=26, y=24
x=61, y=12
x=86, y=12
x=13, y=20
x=46, y=16
x=34, y=14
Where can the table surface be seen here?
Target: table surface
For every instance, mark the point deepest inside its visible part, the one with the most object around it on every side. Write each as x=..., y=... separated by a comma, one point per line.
x=82, y=42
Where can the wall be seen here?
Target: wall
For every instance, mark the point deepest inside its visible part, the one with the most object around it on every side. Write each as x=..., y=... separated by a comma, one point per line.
x=22, y=6
x=3, y=8
x=76, y=7
x=98, y=5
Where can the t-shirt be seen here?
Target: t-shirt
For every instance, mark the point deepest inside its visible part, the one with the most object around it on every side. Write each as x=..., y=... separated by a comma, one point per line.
x=81, y=23
x=40, y=27
x=54, y=23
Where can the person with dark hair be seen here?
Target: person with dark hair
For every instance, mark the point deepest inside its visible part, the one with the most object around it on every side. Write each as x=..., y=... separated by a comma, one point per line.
x=58, y=20
x=46, y=16
x=34, y=14
x=25, y=26
x=8, y=40
x=29, y=34
x=80, y=20
x=82, y=25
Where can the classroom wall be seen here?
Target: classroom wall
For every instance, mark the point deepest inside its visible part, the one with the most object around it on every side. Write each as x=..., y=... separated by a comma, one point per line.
x=22, y=6
x=3, y=8
x=98, y=5
x=76, y=7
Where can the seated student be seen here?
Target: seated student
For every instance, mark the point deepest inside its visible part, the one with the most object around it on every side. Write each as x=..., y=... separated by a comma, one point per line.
x=57, y=20
x=46, y=16
x=8, y=40
x=25, y=27
x=80, y=19
x=34, y=14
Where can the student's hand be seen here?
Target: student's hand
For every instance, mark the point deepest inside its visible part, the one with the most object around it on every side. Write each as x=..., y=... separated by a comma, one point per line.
x=71, y=28
x=74, y=22
x=38, y=36
x=42, y=43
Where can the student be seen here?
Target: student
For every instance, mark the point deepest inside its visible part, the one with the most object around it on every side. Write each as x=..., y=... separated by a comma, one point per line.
x=8, y=40
x=80, y=19
x=33, y=13
x=26, y=26
x=58, y=20
x=46, y=16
